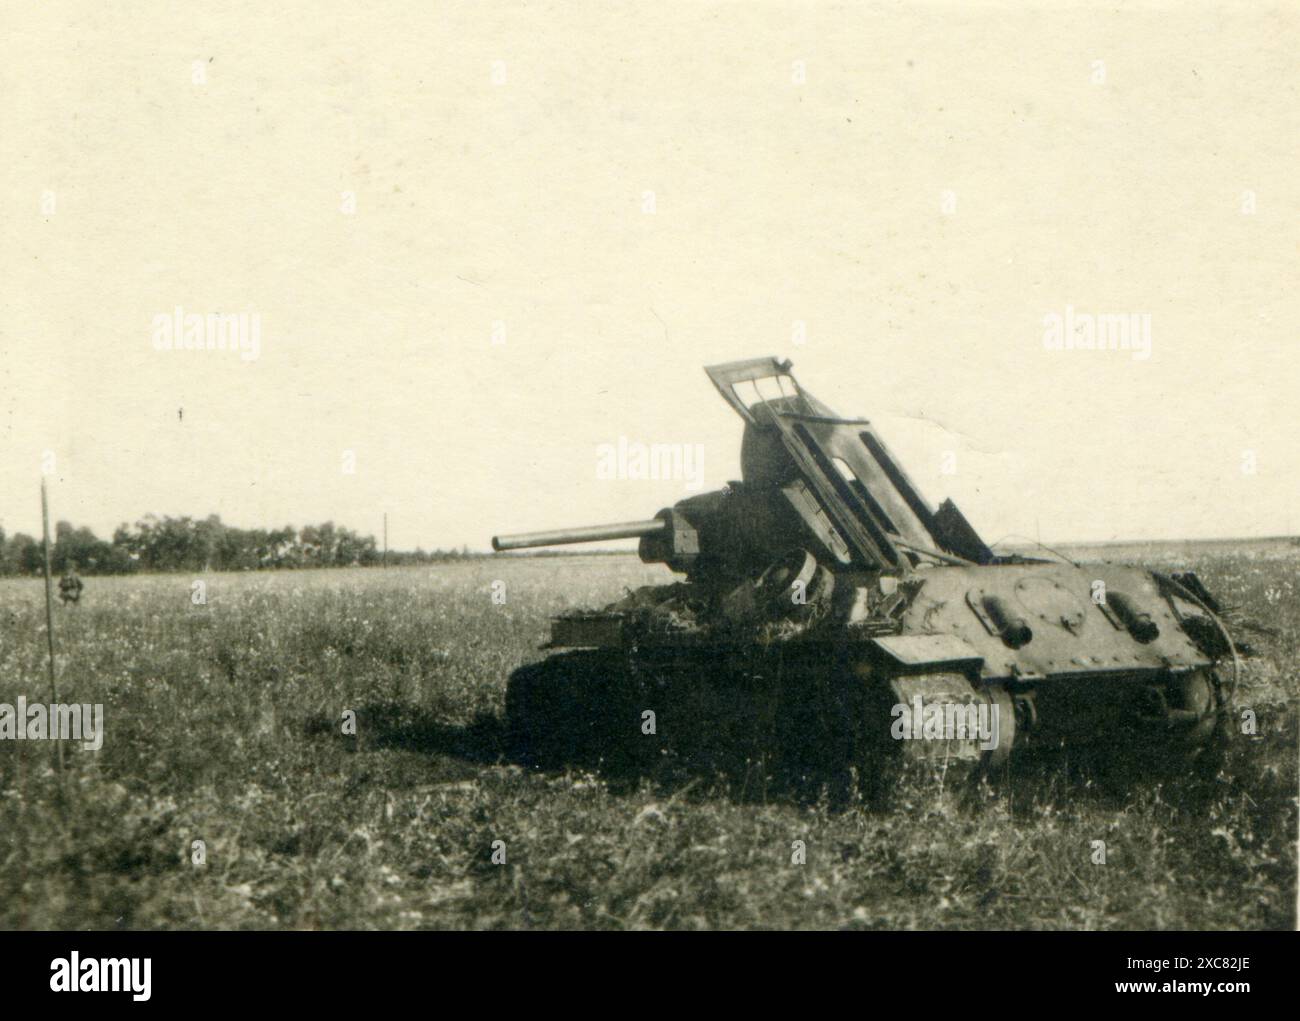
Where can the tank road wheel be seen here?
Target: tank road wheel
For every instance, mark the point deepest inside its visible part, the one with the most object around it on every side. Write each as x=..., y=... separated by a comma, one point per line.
x=934, y=726
x=1204, y=743
x=1005, y=723
x=1184, y=722
x=1175, y=729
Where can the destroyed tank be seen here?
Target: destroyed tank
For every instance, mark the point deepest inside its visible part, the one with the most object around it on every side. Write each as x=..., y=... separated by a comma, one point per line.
x=829, y=616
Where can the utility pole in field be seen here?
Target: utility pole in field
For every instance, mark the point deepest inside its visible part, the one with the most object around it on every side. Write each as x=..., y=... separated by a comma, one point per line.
x=49, y=612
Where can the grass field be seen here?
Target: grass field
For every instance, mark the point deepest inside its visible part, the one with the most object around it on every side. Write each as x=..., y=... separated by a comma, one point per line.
x=224, y=724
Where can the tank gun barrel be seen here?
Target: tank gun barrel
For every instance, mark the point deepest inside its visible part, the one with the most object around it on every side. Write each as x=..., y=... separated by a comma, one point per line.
x=587, y=533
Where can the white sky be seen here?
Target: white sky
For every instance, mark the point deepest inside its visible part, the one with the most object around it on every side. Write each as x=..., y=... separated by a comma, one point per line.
x=522, y=203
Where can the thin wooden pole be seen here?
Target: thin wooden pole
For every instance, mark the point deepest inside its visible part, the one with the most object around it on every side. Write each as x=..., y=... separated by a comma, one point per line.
x=49, y=614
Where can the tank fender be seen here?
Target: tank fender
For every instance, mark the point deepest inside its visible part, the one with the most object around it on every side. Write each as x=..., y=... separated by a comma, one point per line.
x=919, y=651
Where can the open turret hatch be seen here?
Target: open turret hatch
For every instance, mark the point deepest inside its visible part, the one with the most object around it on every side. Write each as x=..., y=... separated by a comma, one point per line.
x=846, y=468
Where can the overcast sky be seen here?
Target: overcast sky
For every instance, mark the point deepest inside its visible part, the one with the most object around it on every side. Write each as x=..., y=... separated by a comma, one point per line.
x=921, y=190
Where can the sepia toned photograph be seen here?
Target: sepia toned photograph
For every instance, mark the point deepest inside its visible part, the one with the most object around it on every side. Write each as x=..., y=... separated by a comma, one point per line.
x=669, y=466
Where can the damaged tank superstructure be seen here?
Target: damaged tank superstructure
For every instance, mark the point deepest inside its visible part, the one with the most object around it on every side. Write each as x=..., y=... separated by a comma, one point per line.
x=828, y=610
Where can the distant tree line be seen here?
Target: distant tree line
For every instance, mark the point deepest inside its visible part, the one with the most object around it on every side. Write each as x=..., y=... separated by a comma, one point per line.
x=190, y=544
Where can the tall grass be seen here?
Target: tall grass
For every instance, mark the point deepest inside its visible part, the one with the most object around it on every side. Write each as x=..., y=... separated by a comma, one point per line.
x=224, y=724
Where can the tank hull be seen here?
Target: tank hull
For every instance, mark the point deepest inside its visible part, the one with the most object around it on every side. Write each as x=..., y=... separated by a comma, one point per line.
x=842, y=692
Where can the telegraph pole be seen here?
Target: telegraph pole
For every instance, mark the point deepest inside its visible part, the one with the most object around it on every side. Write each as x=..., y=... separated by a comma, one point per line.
x=49, y=611
x=385, y=538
